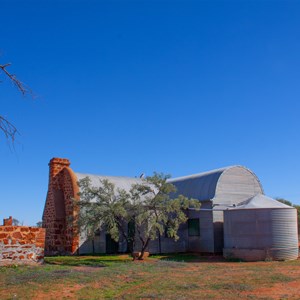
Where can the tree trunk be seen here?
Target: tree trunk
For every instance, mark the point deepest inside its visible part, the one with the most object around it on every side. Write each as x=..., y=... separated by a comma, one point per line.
x=132, y=249
x=145, y=245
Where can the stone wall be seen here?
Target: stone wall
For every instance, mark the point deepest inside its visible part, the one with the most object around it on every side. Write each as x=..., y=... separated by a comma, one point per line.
x=59, y=213
x=21, y=244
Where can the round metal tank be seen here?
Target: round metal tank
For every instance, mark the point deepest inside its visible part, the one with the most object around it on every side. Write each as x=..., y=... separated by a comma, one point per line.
x=261, y=228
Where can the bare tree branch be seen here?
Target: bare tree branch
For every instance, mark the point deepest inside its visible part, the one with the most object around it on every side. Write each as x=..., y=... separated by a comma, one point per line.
x=24, y=89
x=9, y=130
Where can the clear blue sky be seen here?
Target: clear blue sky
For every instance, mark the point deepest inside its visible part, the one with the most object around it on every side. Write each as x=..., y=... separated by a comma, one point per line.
x=126, y=87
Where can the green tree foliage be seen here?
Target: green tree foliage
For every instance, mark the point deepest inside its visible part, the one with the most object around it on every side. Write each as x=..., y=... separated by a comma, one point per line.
x=103, y=207
x=284, y=201
x=16, y=222
x=298, y=214
x=147, y=205
x=39, y=224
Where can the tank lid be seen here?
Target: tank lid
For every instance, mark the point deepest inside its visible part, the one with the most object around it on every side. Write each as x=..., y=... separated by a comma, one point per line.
x=260, y=201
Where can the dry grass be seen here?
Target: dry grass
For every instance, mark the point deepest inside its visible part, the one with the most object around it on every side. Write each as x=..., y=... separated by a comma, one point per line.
x=160, y=277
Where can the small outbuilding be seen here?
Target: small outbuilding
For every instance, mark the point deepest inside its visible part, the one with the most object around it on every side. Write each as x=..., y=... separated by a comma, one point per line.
x=261, y=228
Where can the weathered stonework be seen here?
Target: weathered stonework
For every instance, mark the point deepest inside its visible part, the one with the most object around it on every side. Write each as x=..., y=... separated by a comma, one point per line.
x=8, y=222
x=59, y=216
x=21, y=244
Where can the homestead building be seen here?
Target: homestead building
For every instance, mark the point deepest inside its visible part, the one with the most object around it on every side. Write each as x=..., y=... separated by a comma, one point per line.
x=216, y=190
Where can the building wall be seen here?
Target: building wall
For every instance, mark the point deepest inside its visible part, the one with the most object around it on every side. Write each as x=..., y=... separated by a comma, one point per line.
x=160, y=245
x=273, y=231
x=21, y=244
x=163, y=244
x=95, y=245
x=234, y=186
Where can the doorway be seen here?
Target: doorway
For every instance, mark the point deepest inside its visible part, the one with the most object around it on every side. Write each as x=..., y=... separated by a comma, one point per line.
x=112, y=247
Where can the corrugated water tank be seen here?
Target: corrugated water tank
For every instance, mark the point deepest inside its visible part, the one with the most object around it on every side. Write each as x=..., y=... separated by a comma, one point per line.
x=261, y=228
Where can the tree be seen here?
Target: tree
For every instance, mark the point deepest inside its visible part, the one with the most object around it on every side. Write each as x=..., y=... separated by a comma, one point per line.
x=155, y=213
x=16, y=222
x=102, y=207
x=298, y=215
x=9, y=130
x=147, y=207
x=284, y=201
x=39, y=224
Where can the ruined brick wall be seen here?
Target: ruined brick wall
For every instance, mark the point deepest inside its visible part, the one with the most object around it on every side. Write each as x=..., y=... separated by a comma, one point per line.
x=59, y=216
x=8, y=222
x=21, y=244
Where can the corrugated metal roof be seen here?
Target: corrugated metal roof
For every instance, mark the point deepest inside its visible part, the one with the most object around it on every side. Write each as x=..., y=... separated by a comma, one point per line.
x=119, y=182
x=260, y=201
x=201, y=186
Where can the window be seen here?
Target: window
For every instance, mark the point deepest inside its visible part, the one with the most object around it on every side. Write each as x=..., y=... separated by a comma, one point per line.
x=130, y=235
x=193, y=227
x=131, y=229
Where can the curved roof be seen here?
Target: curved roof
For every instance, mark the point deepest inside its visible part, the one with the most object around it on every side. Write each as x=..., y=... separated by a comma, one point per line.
x=201, y=186
x=202, y=183
x=260, y=201
x=237, y=181
x=204, y=186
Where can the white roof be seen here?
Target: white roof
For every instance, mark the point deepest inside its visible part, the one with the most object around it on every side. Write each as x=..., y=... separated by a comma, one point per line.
x=260, y=201
x=124, y=183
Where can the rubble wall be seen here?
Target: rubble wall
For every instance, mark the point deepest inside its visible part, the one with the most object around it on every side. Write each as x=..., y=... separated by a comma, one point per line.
x=21, y=244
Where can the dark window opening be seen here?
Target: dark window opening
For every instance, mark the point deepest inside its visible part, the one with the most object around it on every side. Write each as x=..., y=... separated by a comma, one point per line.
x=112, y=246
x=193, y=227
x=130, y=234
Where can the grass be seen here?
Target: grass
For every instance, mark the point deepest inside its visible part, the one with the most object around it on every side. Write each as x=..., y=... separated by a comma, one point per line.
x=231, y=286
x=182, y=276
x=93, y=261
x=181, y=257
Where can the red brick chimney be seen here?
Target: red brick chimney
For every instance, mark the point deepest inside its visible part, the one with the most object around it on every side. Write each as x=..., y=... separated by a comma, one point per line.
x=56, y=165
x=8, y=222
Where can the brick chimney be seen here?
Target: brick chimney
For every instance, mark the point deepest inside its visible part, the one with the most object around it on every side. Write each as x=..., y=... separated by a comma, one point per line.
x=8, y=222
x=56, y=165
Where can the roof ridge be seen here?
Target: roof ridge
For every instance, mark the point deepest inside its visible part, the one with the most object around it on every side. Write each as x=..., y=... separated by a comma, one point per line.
x=106, y=176
x=203, y=173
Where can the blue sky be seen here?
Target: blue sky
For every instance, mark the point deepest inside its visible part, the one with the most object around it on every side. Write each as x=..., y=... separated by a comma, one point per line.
x=125, y=87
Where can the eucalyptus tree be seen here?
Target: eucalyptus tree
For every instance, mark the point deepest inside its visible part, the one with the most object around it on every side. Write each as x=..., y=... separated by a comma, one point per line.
x=147, y=206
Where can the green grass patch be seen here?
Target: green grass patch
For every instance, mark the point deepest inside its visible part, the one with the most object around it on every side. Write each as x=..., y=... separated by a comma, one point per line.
x=274, y=278
x=181, y=276
x=40, y=275
x=93, y=261
x=231, y=286
x=180, y=257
